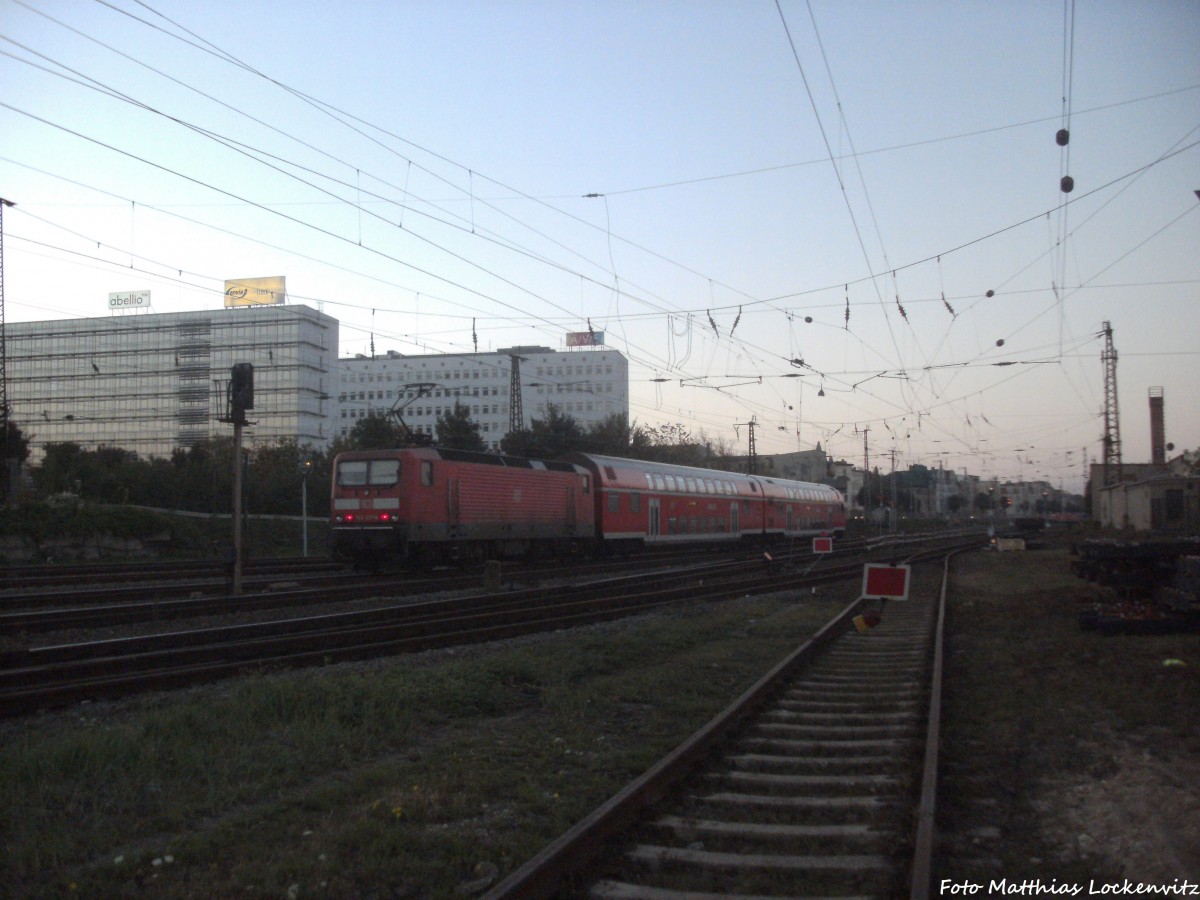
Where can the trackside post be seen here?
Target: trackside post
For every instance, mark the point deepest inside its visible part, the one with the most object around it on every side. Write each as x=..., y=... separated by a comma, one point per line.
x=882, y=582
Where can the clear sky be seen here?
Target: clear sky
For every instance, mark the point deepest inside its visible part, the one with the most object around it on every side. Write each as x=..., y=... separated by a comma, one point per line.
x=713, y=185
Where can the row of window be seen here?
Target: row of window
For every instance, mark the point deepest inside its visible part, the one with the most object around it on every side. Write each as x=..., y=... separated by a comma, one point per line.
x=575, y=371
x=432, y=411
x=436, y=394
x=491, y=373
x=689, y=485
x=430, y=375
x=811, y=494
x=686, y=484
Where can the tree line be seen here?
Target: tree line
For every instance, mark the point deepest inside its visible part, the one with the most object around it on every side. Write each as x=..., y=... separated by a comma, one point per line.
x=199, y=478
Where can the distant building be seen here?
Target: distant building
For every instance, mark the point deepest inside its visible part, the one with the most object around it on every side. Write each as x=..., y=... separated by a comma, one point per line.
x=588, y=384
x=1163, y=503
x=153, y=383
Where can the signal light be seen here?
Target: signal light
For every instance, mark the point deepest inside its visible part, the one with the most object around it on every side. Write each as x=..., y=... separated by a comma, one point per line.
x=241, y=386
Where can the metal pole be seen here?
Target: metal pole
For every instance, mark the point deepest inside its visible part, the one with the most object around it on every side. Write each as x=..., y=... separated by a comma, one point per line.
x=236, y=583
x=304, y=510
x=11, y=464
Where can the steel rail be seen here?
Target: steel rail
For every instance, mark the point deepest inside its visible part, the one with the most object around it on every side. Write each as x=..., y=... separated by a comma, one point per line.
x=922, y=865
x=548, y=872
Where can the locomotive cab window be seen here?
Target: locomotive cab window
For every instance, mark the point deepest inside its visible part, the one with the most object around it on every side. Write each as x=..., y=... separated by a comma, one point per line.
x=368, y=472
x=427, y=473
x=352, y=473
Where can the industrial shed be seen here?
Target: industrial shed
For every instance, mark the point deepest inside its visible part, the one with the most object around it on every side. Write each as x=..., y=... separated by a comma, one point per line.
x=1164, y=504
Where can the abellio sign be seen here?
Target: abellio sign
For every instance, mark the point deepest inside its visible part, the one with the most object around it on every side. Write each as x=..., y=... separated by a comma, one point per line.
x=129, y=300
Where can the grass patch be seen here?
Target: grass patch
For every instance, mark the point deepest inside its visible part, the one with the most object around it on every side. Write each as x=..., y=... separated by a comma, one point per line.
x=407, y=776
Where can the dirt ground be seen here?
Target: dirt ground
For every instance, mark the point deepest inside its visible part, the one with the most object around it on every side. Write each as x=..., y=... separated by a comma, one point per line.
x=1068, y=756
x=1145, y=814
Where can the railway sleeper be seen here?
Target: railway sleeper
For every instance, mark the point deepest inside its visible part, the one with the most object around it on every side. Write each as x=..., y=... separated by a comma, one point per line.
x=848, y=765
x=793, y=809
x=617, y=890
x=764, y=873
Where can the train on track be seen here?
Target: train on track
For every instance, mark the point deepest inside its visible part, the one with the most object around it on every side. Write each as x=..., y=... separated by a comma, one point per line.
x=426, y=506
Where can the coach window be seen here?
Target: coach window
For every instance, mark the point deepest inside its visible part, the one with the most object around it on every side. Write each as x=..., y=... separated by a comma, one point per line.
x=635, y=503
x=659, y=484
x=670, y=482
x=587, y=484
x=614, y=502
x=427, y=472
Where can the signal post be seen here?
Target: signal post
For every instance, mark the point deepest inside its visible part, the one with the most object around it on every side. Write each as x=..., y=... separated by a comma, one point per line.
x=239, y=398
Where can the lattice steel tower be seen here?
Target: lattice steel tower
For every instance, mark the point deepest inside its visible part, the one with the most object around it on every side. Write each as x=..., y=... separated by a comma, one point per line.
x=1112, y=419
x=516, y=415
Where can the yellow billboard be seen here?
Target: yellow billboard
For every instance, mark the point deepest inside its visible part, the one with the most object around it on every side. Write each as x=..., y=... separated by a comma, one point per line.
x=255, y=291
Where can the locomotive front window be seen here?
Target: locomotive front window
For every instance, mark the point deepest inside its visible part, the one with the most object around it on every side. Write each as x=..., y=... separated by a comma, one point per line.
x=352, y=473
x=384, y=472
x=368, y=472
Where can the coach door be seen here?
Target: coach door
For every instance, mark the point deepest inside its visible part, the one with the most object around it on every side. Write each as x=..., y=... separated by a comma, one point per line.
x=655, y=529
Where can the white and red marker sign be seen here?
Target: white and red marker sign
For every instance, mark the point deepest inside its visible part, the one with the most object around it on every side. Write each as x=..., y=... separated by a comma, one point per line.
x=884, y=582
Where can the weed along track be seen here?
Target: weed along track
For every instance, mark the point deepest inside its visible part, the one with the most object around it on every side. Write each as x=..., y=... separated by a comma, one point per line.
x=815, y=783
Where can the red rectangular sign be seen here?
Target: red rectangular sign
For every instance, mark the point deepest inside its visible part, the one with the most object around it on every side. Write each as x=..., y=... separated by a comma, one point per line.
x=883, y=582
x=822, y=545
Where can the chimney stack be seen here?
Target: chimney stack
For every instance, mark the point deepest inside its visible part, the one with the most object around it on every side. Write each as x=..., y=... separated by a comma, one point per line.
x=1158, y=439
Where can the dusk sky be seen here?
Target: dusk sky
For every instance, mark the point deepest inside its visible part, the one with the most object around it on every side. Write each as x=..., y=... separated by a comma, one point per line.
x=714, y=185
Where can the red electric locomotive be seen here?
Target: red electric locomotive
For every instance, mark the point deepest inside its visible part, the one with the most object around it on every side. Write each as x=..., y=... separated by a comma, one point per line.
x=427, y=505
x=640, y=503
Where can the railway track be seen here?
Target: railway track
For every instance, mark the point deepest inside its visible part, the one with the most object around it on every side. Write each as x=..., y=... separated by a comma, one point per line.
x=176, y=596
x=26, y=579
x=818, y=782
x=36, y=678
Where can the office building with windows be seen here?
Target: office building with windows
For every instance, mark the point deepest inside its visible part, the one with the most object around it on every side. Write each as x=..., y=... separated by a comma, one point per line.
x=152, y=383
x=589, y=384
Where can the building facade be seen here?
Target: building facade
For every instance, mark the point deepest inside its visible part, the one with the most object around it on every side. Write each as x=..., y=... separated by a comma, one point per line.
x=587, y=384
x=1164, y=503
x=152, y=383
